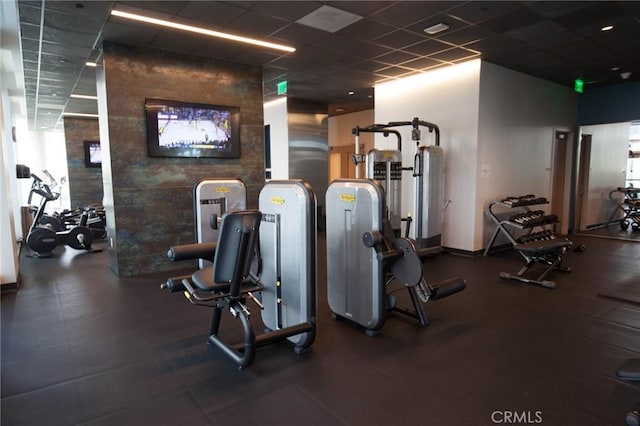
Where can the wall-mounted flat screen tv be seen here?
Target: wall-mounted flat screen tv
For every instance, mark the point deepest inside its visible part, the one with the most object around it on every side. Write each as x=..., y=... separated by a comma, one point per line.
x=92, y=154
x=187, y=129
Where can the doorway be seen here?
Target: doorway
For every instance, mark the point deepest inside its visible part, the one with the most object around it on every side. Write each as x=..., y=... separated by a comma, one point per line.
x=559, y=178
x=340, y=164
x=582, y=186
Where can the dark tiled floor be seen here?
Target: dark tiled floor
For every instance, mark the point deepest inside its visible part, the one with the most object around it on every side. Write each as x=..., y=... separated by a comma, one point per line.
x=81, y=346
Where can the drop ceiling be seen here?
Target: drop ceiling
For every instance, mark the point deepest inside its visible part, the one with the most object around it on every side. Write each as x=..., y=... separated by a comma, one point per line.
x=557, y=41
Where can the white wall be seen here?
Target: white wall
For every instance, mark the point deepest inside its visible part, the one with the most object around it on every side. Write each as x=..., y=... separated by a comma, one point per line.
x=497, y=128
x=518, y=116
x=607, y=171
x=44, y=151
x=275, y=115
x=449, y=98
x=8, y=246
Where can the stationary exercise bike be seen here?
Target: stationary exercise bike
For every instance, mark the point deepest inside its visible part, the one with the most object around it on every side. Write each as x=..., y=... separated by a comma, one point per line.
x=42, y=238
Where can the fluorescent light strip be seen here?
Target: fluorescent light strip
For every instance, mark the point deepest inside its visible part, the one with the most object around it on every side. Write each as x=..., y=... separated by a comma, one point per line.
x=91, y=64
x=84, y=97
x=211, y=33
x=79, y=114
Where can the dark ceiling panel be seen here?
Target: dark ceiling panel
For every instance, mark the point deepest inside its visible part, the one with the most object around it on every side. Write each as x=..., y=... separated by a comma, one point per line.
x=405, y=13
x=554, y=40
x=455, y=54
x=427, y=47
x=366, y=30
x=480, y=11
x=399, y=39
x=286, y=10
x=215, y=14
x=543, y=34
x=297, y=35
x=254, y=24
x=362, y=8
x=465, y=35
x=395, y=57
x=516, y=19
x=422, y=63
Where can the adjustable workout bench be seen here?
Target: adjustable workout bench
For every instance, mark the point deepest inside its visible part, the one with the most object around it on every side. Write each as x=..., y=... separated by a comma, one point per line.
x=547, y=252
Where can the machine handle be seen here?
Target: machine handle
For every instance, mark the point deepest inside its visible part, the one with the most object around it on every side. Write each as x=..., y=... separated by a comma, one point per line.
x=429, y=251
x=447, y=288
x=204, y=251
x=174, y=284
x=385, y=256
x=372, y=238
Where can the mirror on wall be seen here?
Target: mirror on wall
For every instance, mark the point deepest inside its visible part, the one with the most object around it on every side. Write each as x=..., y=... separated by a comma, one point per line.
x=608, y=183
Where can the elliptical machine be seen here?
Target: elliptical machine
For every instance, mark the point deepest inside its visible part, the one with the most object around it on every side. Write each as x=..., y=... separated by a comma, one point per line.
x=42, y=238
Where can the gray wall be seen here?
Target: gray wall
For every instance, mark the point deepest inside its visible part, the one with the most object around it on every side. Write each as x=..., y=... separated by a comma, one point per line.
x=149, y=200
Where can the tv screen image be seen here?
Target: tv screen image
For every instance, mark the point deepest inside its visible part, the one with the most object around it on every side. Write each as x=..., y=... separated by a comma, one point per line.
x=181, y=129
x=92, y=154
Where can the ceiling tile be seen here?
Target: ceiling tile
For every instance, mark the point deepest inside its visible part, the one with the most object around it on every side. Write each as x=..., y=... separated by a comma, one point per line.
x=464, y=35
x=405, y=13
x=366, y=30
x=480, y=11
x=399, y=39
x=215, y=14
x=422, y=63
x=287, y=10
x=427, y=47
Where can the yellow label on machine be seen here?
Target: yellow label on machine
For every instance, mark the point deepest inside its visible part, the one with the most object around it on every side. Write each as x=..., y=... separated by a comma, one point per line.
x=222, y=189
x=278, y=201
x=349, y=198
x=387, y=154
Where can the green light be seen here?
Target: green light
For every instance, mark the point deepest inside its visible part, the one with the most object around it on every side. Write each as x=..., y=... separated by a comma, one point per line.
x=578, y=85
x=282, y=88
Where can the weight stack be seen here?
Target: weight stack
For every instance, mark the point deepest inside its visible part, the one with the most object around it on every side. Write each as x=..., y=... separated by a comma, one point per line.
x=385, y=166
x=429, y=196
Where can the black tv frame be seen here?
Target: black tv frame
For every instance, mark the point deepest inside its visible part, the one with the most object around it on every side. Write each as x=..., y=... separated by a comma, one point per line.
x=230, y=148
x=88, y=160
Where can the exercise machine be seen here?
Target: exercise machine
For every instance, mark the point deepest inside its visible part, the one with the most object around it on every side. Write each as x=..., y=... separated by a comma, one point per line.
x=629, y=206
x=365, y=260
x=42, y=238
x=283, y=234
x=428, y=174
x=630, y=371
x=212, y=199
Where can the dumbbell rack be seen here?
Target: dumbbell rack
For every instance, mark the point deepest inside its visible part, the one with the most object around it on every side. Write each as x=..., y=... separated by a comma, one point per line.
x=526, y=220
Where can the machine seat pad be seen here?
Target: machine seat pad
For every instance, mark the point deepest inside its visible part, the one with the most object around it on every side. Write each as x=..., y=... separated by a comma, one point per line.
x=203, y=279
x=542, y=246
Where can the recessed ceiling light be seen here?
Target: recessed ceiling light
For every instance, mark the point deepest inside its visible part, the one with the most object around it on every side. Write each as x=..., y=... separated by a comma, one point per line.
x=437, y=28
x=204, y=31
x=607, y=28
x=351, y=92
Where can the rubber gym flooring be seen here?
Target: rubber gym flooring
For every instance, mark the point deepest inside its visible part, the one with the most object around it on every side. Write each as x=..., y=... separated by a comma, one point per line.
x=81, y=346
